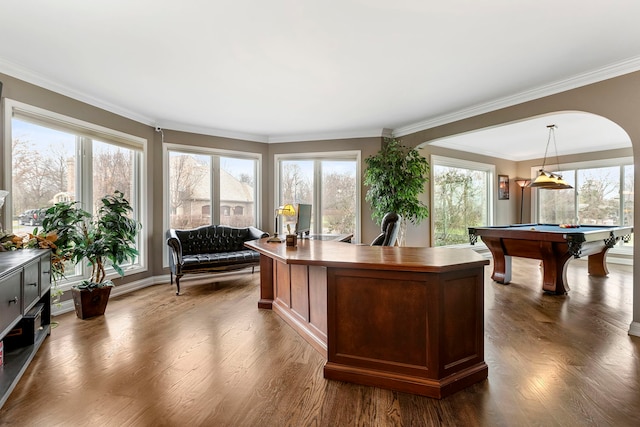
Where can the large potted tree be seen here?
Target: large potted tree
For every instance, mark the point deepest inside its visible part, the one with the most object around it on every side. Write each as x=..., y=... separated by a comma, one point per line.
x=104, y=239
x=396, y=176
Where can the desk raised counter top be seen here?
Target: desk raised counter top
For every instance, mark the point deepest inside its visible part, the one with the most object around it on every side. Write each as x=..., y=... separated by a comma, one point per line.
x=407, y=319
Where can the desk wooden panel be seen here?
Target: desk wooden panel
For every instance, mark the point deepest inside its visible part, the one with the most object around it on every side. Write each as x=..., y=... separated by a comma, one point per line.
x=408, y=319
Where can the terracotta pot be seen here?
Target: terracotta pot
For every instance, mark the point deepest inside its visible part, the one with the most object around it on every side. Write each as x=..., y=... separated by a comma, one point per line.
x=90, y=303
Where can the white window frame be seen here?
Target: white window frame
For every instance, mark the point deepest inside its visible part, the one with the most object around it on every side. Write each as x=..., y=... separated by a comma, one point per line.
x=466, y=164
x=93, y=131
x=350, y=155
x=215, y=202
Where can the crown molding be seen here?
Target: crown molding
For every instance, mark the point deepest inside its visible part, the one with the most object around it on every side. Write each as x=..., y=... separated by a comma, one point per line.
x=22, y=73
x=610, y=71
x=321, y=136
x=203, y=130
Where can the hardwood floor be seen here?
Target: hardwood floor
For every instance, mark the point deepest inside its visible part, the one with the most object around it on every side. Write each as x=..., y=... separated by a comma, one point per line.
x=210, y=357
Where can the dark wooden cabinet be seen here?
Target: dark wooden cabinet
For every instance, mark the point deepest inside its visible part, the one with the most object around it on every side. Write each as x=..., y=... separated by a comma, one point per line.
x=25, y=304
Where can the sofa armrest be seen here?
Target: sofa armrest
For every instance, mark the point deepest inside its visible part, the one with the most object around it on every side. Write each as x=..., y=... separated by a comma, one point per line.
x=175, y=252
x=255, y=234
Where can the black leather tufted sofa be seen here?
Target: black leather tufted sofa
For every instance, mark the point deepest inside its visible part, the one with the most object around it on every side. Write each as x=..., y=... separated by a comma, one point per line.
x=211, y=248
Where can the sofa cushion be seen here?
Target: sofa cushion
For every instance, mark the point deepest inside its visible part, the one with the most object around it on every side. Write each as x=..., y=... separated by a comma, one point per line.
x=222, y=259
x=212, y=239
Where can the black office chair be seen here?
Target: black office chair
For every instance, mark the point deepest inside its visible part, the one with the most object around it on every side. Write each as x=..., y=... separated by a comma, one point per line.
x=390, y=227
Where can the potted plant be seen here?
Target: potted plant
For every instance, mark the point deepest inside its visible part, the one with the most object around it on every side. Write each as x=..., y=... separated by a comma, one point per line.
x=106, y=238
x=396, y=176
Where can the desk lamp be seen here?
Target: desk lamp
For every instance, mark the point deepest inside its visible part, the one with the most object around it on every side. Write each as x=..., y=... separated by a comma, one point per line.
x=286, y=210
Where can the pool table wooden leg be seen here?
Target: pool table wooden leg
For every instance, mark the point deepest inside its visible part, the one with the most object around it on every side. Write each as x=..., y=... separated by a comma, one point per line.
x=501, y=262
x=597, y=266
x=554, y=269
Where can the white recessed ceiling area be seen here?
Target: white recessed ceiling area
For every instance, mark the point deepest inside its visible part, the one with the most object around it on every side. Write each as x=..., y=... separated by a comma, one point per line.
x=284, y=70
x=575, y=132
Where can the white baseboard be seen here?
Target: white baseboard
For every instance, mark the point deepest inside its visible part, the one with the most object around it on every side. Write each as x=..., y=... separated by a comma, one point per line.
x=67, y=305
x=634, y=329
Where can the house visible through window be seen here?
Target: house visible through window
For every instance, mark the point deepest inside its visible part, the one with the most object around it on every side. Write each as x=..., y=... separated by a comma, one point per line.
x=199, y=179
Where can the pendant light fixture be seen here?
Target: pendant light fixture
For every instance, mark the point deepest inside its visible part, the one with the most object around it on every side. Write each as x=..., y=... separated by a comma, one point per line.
x=550, y=180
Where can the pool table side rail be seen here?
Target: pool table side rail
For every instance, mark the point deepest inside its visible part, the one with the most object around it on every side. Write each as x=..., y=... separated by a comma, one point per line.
x=584, y=233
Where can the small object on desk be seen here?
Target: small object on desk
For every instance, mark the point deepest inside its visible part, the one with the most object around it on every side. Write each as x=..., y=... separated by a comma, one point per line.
x=569, y=226
x=532, y=229
x=292, y=240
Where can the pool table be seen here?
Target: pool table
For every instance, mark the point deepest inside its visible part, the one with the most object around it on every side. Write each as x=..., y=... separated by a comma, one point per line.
x=555, y=245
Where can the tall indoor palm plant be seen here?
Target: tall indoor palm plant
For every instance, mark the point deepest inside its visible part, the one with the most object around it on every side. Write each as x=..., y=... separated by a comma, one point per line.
x=396, y=176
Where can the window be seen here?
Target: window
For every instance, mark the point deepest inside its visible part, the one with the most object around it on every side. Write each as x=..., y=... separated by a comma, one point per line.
x=462, y=198
x=189, y=189
x=602, y=194
x=330, y=182
x=54, y=158
x=199, y=179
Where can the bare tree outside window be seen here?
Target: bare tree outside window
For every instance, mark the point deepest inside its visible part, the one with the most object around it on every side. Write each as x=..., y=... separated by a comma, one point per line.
x=338, y=197
x=296, y=182
x=41, y=162
x=558, y=206
x=329, y=185
x=112, y=171
x=599, y=196
x=460, y=201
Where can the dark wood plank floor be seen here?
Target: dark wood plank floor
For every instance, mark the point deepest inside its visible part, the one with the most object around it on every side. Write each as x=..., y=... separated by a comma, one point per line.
x=210, y=357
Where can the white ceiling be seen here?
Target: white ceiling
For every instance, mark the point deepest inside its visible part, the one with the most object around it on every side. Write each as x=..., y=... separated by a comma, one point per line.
x=575, y=132
x=287, y=70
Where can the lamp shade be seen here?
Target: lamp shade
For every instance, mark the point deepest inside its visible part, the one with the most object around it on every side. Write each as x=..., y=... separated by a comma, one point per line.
x=287, y=210
x=549, y=181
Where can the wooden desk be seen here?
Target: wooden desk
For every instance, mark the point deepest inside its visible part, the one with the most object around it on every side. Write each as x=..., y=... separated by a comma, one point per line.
x=407, y=319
